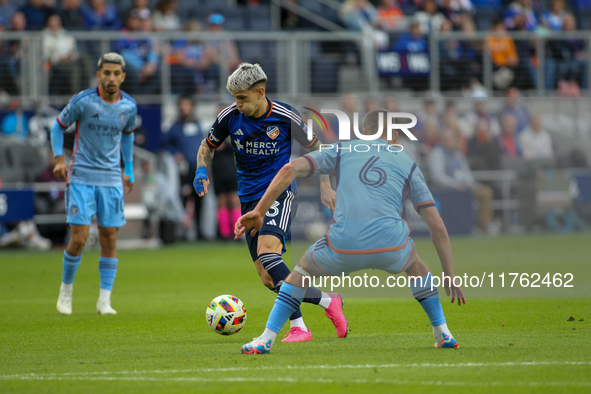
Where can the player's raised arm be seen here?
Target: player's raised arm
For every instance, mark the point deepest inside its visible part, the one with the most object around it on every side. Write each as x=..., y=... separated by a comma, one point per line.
x=440, y=239
x=217, y=134
x=328, y=196
x=127, y=139
x=204, y=158
x=300, y=167
x=69, y=115
x=57, y=144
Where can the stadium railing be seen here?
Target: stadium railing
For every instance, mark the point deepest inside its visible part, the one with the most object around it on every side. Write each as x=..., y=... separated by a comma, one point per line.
x=538, y=62
x=303, y=63
x=297, y=64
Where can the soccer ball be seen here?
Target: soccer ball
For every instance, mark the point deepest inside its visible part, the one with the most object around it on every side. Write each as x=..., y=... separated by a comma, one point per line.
x=226, y=315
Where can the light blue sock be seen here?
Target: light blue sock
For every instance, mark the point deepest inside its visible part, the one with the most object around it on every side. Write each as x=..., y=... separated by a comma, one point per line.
x=429, y=299
x=107, y=270
x=70, y=265
x=288, y=300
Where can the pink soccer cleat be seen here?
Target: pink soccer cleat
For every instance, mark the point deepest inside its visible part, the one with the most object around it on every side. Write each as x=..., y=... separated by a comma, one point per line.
x=335, y=313
x=296, y=334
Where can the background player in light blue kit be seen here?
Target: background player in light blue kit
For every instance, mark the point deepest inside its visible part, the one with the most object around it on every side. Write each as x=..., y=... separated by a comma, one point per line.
x=369, y=232
x=105, y=120
x=261, y=132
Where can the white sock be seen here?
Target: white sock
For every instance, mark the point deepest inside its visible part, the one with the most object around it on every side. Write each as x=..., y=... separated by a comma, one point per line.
x=299, y=322
x=325, y=300
x=105, y=295
x=67, y=287
x=442, y=329
x=268, y=334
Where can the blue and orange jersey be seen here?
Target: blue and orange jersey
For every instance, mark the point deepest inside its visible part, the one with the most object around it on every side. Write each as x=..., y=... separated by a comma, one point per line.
x=372, y=182
x=99, y=124
x=262, y=146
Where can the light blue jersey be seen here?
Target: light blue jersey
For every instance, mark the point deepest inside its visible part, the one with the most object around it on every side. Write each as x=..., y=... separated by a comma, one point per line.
x=99, y=124
x=370, y=189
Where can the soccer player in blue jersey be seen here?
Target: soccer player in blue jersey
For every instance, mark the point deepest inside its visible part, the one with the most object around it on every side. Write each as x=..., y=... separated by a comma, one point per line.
x=369, y=232
x=261, y=132
x=105, y=119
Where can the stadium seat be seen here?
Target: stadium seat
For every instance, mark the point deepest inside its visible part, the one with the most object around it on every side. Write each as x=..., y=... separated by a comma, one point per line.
x=258, y=18
x=19, y=161
x=264, y=53
x=485, y=16
x=314, y=6
x=325, y=75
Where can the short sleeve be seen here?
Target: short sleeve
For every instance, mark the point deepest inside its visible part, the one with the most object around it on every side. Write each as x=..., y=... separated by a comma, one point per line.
x=323, y=161
x=299, y=130
x=130, y=125
x=420, y=195
x=72, y=112
x=220, y=129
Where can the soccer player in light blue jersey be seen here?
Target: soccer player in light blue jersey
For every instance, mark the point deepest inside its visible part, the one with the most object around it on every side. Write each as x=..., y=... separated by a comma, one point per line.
x=369, y=232
x=105, y=120
x=261, y=131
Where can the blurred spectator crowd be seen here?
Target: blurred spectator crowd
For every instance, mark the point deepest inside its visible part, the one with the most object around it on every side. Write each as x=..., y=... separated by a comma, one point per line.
x=456, y=137
x=402, y=26
x=454, y=142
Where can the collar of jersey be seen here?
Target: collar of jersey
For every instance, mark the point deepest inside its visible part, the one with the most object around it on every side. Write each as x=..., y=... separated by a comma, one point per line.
x=104, y=99
x=263, y=116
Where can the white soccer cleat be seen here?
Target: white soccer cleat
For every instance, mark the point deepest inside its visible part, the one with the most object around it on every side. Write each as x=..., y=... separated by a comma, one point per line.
x=103, y=307
x=64, y=302
x=446, y=341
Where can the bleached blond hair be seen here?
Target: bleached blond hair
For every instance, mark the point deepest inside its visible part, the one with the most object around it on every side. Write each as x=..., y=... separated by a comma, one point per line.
x=245, y=77
x=111, y=57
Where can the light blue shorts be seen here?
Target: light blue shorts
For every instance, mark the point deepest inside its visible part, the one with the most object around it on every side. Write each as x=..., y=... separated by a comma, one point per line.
x=325, y=260
x=85, y=201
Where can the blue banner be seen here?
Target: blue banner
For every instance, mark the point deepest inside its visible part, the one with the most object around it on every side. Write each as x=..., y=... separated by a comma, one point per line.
x=150, y=117
x=581, y=188
x=412, y=64
x=16, y=205
x=455, y=208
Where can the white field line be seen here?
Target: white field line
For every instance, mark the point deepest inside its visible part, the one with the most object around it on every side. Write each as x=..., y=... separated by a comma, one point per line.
x=81, y=375
x=294, y=380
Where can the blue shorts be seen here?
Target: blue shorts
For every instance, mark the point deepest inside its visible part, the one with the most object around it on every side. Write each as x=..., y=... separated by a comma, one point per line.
x=324, y=260
x=85, y=201
x=277, y=221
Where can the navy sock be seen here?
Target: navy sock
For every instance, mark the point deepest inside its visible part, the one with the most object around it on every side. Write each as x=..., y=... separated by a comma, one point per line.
x=107, y=271
x=70, y=265
x=313, y=295
x=273, y=263
x=279, y=271
x=429, y=299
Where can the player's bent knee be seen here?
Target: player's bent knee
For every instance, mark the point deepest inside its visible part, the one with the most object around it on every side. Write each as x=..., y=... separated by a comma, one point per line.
x=76, y=244
x=268, y=282
x=303, y=271
x=417, y=267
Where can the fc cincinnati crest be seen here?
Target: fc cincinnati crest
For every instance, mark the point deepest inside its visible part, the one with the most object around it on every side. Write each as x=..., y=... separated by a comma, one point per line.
x=273, y=131
x=122, y=117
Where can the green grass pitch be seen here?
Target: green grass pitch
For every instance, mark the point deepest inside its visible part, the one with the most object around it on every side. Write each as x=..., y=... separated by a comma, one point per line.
x=160, y=343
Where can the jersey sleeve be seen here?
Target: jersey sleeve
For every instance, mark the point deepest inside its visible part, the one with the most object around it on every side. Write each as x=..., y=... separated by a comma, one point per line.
x=322, y=162
x=219, y=131
x=420, y=195
x=299, y=130
x=72, y=112
x=130, y=125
